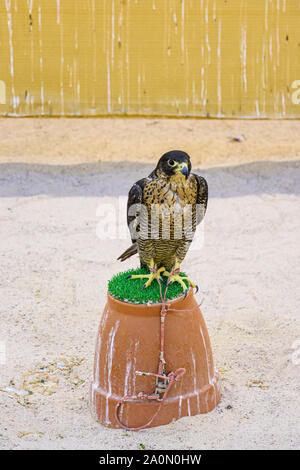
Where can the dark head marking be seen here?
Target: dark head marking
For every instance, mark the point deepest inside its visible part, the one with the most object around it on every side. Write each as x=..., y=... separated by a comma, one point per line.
x=174, y=162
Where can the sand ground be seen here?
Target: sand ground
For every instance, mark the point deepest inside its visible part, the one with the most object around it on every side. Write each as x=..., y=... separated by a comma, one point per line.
x=54, y=176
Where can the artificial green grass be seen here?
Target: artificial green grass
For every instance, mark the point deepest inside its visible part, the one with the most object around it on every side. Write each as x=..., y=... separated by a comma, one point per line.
x=130, y=290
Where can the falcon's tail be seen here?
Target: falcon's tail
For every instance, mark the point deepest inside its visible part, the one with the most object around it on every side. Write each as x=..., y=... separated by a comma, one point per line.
x=132, y=250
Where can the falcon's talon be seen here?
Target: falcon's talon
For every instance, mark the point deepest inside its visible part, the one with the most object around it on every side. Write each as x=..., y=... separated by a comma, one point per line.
x=174, y=276
x=197, y=288
x=154, y=274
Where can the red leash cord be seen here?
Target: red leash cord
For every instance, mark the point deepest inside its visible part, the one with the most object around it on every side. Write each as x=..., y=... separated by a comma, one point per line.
x=170, y=378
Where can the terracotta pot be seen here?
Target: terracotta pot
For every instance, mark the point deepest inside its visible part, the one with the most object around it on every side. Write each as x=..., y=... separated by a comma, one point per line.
x=129, y=341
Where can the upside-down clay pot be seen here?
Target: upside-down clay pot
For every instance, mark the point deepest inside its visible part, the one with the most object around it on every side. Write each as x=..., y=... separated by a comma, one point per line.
x=129, y=341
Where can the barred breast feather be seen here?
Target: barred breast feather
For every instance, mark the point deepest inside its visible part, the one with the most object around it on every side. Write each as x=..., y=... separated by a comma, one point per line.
x=162, y=217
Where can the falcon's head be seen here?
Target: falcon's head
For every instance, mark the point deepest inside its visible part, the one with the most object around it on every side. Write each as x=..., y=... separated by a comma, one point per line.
x=174, y=165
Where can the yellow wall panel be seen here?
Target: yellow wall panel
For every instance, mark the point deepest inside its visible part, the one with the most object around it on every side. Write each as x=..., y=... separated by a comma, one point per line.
x=218, y=58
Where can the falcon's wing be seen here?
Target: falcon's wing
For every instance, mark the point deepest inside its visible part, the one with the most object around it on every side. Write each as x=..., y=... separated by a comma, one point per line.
x=202, y=196
x=135, y=198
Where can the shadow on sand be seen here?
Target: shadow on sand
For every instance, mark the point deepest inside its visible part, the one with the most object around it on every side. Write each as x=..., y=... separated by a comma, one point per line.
x=116, y=178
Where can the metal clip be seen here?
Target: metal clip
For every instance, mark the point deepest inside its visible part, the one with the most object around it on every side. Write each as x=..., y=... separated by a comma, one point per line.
x=161, y=384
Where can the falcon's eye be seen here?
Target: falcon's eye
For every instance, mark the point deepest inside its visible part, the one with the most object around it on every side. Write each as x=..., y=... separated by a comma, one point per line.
x=171, y=162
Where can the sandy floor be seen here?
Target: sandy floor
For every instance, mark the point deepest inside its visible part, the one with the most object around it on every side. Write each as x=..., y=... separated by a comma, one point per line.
x=54, y=175
x=209, y=142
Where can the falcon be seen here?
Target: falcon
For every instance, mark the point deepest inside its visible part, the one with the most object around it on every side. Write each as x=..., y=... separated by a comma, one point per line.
x=163, y=211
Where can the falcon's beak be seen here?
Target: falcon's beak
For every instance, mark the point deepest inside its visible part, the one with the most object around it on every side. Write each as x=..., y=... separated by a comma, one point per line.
x=182, y=168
